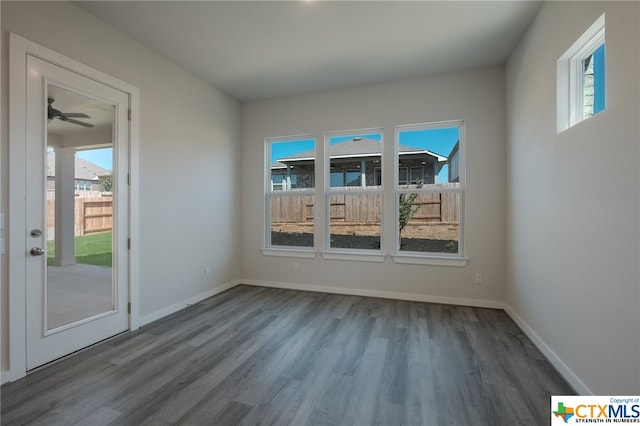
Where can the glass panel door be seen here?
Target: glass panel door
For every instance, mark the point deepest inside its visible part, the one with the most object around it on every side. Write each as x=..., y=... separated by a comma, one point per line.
x=78, y=208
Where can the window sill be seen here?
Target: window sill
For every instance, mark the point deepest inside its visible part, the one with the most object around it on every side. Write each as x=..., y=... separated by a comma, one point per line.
x=360, y=257
x=289, y=252
x=369, y=257
x=430, y=260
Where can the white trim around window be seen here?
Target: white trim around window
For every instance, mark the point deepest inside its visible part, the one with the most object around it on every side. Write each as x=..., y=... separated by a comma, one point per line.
x=570, y=75
x=328, y=208
x=373, y=194
x=298, y=201
x=454, y=192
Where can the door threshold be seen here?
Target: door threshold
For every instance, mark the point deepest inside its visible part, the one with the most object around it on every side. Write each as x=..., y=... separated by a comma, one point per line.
x=74, y=353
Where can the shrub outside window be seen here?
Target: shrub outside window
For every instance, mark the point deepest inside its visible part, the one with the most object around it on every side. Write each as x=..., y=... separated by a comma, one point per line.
x=428, y=190
x=429, y=206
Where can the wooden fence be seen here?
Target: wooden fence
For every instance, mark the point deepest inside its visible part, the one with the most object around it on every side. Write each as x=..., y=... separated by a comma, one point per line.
x=359, y=208
x=91, y=215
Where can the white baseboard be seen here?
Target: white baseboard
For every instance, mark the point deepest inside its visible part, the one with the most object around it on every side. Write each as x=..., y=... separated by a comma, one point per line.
x=562, y=368
x=4, y=377
x=146, y=319
x=478, y=303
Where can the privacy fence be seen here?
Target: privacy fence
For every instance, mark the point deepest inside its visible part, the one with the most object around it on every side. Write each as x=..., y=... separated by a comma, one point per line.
x=92, y=210
x=430, y=207
x=294, y=213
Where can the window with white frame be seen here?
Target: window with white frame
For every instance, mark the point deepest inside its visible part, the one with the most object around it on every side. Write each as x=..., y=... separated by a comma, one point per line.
x=581, y=78
x=593, y=82
x=290, y=186
x=354, y=191
x=429, y=203
x=83, y=185
x=428, y=190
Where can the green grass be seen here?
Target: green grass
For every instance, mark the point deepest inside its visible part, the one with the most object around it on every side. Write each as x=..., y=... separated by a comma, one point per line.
x=93, y=249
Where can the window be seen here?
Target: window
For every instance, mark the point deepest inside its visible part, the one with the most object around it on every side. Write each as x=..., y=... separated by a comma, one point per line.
x=337, y=178
x=454, y=164
x=377, y=176
x=429, y=205
x=354, y=193
x=581, y=75
x=353, y=178
x=426, y=193
x=276, y=182
x=417, y=175
x=284, y=182
x=290, y=176
x=83, y=185
x=593, y=82
x=403, y=172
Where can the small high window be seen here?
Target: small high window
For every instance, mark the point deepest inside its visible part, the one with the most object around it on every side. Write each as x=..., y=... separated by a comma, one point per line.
x=581, y=78
x=593, y=83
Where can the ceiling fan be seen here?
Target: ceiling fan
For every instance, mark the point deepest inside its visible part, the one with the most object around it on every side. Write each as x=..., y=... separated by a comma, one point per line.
x=65, y=116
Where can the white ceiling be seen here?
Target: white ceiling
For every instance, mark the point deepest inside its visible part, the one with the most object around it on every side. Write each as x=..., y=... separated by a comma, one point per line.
x=100, y=114
x=262, y=49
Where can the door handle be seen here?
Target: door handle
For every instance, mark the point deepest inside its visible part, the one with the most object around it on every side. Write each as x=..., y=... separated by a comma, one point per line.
x=37, y=251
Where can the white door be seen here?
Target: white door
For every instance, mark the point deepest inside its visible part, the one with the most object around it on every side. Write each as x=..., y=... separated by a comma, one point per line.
x=77, y=194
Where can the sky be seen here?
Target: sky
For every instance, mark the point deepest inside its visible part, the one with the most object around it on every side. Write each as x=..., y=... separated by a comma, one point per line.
x=439, y=141
x=102, y=157
x=599, y=79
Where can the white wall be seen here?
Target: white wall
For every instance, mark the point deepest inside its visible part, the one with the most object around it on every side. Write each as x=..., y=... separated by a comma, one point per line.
x=477, y=96
x=189, y=134
x=573, y=203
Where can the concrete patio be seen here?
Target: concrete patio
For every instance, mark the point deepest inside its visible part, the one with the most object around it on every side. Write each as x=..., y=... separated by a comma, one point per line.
x=76, y=292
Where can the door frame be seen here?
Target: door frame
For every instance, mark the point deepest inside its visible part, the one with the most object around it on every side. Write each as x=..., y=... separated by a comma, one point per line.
x=19, y=48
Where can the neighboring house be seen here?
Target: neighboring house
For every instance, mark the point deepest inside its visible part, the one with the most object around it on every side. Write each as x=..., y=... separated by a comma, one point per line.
x=454, y=163
x=356, y=163
x=86, y=173
x=280, y=180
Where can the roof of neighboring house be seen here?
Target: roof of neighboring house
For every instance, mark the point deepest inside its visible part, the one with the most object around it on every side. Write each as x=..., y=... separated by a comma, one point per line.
x=278, y=165
x=85, y=170
x=357, y=148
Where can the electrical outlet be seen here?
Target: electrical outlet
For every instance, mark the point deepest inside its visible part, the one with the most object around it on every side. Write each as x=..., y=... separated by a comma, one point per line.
x=478, y=278
x=207, y=271
x=294, y=266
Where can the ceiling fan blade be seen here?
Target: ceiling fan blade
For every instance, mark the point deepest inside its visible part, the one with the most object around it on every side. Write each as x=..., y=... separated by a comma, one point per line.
x=53, y=113
x=76, y=114
x=79, y=123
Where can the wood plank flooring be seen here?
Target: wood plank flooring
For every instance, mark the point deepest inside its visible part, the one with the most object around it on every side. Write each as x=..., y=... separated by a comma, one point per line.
x=254, y=355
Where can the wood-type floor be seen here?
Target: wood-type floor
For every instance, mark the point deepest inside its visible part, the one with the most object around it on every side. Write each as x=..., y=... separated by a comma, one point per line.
x=254, y=355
